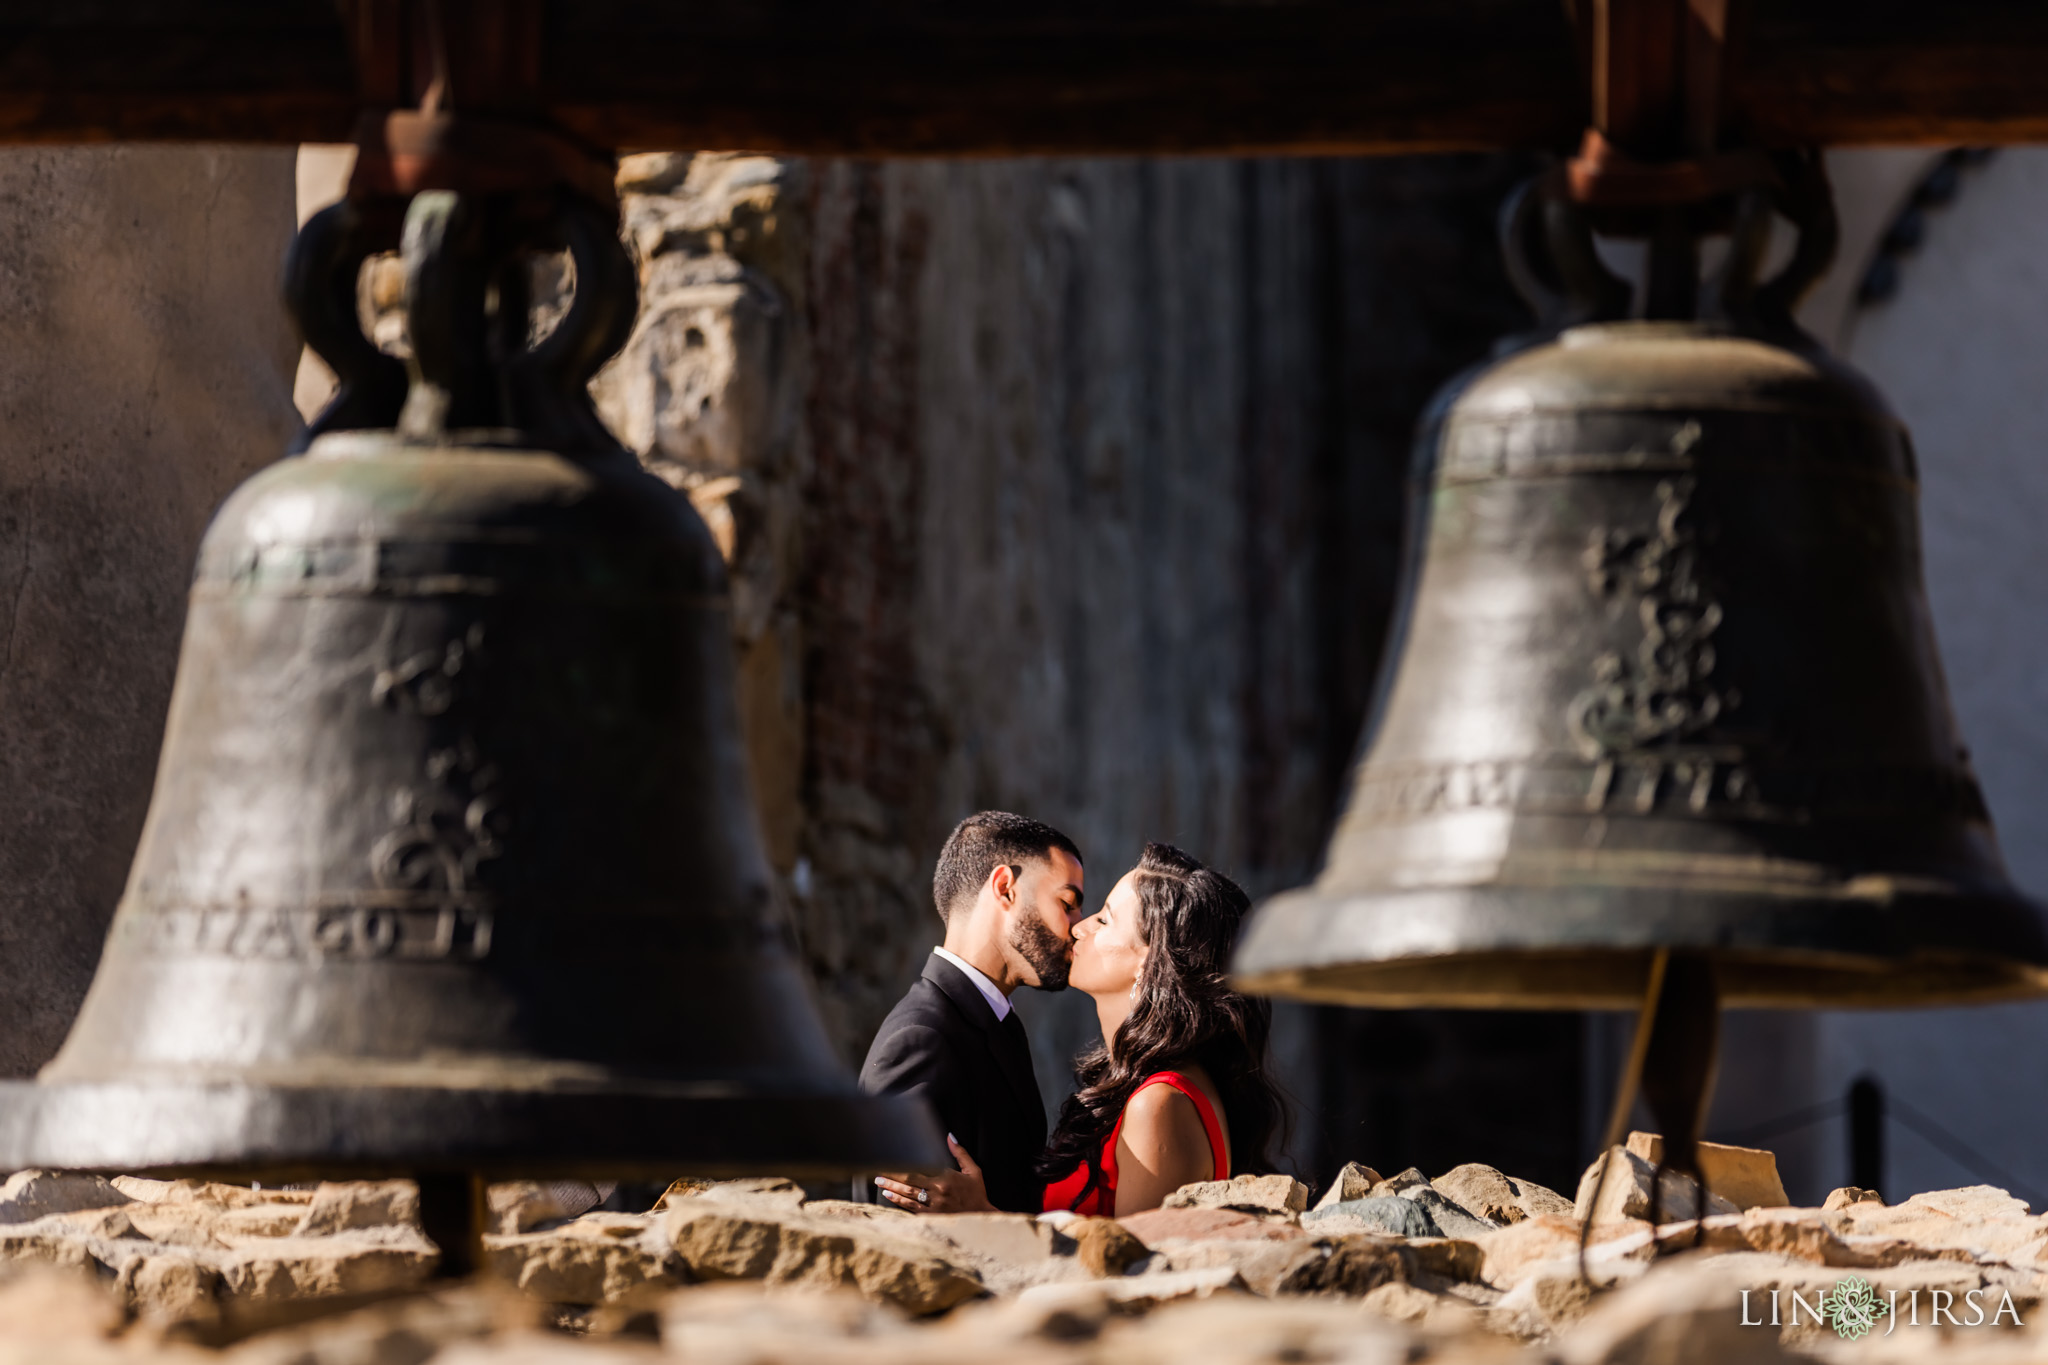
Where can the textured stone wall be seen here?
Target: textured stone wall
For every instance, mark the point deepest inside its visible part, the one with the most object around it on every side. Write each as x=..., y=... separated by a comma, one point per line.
x=145, y=369
x=1074, y=487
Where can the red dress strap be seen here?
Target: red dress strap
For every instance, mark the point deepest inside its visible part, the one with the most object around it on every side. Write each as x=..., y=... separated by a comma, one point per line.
x=1219, y=1153
x=1067, y=1193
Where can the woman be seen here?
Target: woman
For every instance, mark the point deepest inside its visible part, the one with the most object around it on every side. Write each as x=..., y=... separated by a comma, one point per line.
x=1177, y=1091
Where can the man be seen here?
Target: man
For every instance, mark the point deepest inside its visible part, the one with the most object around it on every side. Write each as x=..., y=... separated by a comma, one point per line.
x=1009, y=891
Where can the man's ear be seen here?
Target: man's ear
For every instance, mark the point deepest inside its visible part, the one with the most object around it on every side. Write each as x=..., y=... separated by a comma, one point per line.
x=1003, y=881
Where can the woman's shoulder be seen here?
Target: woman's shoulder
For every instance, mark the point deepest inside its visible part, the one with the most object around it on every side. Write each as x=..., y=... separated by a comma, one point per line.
x=1158, y=1110
x=1176, y=1079
x=1166, y=1129
x=1164, y=1094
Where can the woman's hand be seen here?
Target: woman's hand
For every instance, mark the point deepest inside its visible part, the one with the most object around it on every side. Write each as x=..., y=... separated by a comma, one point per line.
x=961, y=1191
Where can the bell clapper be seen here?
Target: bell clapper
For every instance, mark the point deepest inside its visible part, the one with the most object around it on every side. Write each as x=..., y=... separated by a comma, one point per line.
x=1671, y=1063
x=1625, y=1094
x=1679, y=1066
x=452, y=1212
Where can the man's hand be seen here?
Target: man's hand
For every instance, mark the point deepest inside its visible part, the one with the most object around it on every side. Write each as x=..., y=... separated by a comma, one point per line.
x=960, y=1191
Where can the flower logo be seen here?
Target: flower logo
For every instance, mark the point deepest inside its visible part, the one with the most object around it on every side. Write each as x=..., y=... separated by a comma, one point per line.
x=1853, y=1307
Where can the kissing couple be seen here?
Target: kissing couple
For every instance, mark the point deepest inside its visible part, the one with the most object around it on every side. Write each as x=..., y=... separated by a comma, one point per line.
x=1176, y=1091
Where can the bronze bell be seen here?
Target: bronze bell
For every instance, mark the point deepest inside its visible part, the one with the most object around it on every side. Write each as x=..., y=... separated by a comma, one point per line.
x=1664, y=678
x=451, y=864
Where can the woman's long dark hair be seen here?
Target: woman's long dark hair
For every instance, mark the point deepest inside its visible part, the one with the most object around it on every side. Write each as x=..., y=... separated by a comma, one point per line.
x=1185, y=1013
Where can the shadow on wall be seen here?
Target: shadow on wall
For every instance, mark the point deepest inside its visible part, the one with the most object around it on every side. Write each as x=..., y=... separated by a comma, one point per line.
x=147, y=371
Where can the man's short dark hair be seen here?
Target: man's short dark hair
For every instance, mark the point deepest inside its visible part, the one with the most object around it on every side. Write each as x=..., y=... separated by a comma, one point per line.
x=985, y=841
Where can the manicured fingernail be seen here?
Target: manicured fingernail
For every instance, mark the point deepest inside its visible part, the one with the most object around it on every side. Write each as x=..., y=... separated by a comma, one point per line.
x=951, y=1138
x=878, y=1182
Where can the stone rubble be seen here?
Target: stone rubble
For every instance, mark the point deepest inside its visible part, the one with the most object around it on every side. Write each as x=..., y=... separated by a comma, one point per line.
x=1746, y=1177
x=754, y=1272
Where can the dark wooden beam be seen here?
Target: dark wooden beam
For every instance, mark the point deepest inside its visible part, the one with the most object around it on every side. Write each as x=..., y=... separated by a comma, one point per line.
x=1024, y=76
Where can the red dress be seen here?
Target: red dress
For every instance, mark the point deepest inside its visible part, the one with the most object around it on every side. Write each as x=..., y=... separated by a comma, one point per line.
x=1101, y=1201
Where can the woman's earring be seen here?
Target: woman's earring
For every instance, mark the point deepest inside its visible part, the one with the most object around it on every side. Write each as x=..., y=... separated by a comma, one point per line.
x=1134, y=991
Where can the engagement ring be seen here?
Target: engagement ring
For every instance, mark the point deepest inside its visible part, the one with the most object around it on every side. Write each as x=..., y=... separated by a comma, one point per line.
x=924, y=1196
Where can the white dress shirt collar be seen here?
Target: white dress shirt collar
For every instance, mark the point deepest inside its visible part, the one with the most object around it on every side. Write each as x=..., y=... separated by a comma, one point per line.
x=997, y=1001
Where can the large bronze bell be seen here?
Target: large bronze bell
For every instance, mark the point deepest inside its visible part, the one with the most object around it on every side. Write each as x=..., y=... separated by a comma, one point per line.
x=1664, y=678
x=451, y=865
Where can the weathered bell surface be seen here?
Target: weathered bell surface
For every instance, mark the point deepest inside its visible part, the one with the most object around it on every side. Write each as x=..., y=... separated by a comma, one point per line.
x=451, y=863
x=1665, y=678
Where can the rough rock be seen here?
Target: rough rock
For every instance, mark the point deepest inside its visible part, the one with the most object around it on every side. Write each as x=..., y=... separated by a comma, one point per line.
x=401, y=1331
x=208, y=1193
x=827, y=1282
x=1354, y=1181
x=1801, y=1234
x=1513, y=1252
x=1357, y=1265
x=680, y=1189
x=360, y=1204
x=1239, y=1330
x=363, y=1262
x=1383, y=1213
x=1677, y=1314
x=1746, y=1177
x=753, y=1238
x=598, y=1258
x=767, y=1191
x=1401, y=1302
x=1281, y=1194
x=1014, y=1251
x=518, y=1206
x=29, y=1195
x=1266, y=1268
x=1008, y=1252
x=1004, y=1236
x=171, y=1289
x=1136, y=1292
x=1353, y=1266
x=1155, y=1227
x=1104, y=1246
x=1978, y=1220
x=1552, y=1295
x=867, y=1213
x=1482, y=1191
x=141, y=1188
x=1487, y=1193
x=1451, y=1258
x=1627, y=1191
x=1399, y=1183
x=1450, y=1218
x=731, y=1323
x=41, y=1308
x=1850, y=1194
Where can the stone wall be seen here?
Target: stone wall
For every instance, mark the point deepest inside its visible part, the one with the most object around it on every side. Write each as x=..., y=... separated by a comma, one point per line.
x=145, y=370
x=1474, y=1267
x=1073, y=487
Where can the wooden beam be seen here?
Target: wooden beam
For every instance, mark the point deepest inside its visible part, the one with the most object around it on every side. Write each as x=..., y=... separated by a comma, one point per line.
x=968, y=77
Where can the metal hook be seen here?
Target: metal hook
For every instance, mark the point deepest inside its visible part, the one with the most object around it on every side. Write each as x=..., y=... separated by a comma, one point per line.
x=320, y=275
x=1567, y=283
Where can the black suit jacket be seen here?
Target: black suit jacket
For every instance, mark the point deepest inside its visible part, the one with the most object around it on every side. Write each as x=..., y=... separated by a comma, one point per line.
x=943, y=1042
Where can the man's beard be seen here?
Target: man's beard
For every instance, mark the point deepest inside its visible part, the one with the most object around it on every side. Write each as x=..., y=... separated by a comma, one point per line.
x=1044, y=950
